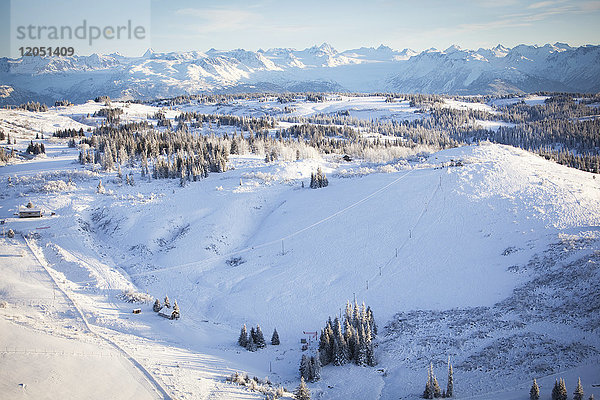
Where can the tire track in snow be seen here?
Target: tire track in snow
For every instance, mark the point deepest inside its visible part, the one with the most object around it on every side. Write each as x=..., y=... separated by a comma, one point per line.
x=159, y=390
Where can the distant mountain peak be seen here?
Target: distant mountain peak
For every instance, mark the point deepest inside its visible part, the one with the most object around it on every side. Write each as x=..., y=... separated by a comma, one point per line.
x=149, y=53
x=522, y=68
x=326, y=48
x=452, y=49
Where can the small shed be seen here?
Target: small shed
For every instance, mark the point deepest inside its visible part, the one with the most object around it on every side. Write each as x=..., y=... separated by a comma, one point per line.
x=30, y=212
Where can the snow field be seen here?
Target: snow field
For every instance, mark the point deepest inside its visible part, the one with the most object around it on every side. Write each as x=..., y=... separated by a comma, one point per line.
x=466, y=237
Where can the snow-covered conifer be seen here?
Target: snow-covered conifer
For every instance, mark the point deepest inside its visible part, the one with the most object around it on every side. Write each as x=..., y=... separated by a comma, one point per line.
x=578, y=393
x=371, y=362
x=450, y=385
x=175, y=314
x=324, y=347
x=302, y=392
x=275, y=338
x=251, y=345
x=428, y=392
x=316, y=368
x=260, y=338
x=305, y=368
x=243, y=339
x=338, y=357
x=361, y=354
x=555, y=390
x=437, y=391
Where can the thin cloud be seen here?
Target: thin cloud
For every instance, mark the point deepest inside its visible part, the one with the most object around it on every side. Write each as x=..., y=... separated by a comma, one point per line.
x=227, y=20
x=543, y=4
x=497, y=3
x=590, y=6
x=220, y=19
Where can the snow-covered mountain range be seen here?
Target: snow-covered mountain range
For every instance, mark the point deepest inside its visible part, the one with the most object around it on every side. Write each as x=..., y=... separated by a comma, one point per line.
x=524, y=68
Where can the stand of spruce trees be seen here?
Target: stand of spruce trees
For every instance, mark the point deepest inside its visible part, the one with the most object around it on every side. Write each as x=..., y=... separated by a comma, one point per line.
x=255, y=339
x=310, y=368
x=559, y=391
x=350, y=340
x=318, y=180
x=432, y=387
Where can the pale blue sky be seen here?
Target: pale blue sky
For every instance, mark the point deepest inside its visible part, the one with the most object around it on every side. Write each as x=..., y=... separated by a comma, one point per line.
x=200, y=25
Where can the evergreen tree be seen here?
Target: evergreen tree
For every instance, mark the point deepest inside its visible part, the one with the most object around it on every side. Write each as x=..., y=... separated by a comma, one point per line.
x=555, y=390
x=275, y=338
x=316, y=368
x=157, y=306
x=305, y=368
x=361, y=354
x=253, y=334
x=167, y=302
x=591, y=397
x=338, y=353
x=450, y=386
x=371, y=321
x=234, y=148
x=371, y=362
x=428, y=392
x=563, y=394
x=175, y=314
x=302, y=392
x=432, y=388
x=348, y=313
x=534, y=393
x=243, y=339
x=351, y=341
x=251, y=345
x=559, y=391
x=260, y=338
x=324, y=347
x=437, y=391
x=342, y=352
x=578, y=393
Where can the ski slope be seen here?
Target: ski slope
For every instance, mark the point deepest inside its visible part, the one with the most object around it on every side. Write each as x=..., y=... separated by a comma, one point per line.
x=441, y=254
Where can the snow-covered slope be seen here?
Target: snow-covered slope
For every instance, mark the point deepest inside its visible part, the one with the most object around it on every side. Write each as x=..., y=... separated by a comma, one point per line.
x=523, y=68
x=494, y=263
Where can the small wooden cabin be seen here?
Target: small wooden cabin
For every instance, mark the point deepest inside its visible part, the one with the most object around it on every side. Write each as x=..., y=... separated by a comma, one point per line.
x=25, y=212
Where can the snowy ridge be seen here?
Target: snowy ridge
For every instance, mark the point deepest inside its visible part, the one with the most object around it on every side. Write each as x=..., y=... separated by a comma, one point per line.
x=557, y=67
